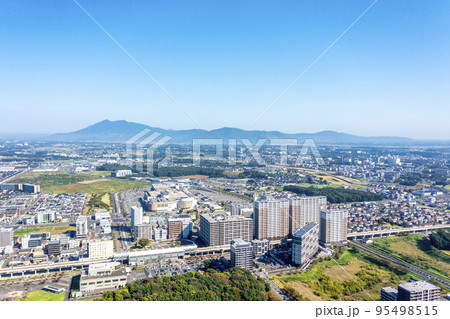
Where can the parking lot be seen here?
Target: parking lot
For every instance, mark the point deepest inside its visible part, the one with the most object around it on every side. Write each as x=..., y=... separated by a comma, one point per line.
x=218, y=197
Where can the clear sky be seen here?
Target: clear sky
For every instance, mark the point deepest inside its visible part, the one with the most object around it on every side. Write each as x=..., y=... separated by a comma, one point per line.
x=225, y=62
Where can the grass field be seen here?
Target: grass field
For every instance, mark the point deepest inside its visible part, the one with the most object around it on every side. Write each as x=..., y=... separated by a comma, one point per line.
x=351, y=264
x=61, y=182
x=332, y=178
x=51, y=229
x=106, y=199
x=416, y=250
x=41, y=295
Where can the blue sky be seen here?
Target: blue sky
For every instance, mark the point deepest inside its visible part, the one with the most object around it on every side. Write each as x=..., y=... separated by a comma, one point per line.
x=225, y=62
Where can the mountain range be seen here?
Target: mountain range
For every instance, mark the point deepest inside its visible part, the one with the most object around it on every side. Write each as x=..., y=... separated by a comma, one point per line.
x=121, y=131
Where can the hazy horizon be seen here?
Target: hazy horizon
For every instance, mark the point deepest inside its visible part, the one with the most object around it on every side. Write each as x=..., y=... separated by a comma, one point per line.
x=226, y=63
x=36, y=135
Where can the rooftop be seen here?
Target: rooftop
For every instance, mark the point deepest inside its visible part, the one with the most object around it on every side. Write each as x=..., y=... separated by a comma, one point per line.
x=416, y=286
x=390, y=290
x=239, y=243
x=220, y=217
x=300, y=232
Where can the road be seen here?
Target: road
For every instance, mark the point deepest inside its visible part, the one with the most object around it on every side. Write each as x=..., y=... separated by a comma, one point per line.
x=412, y=268
x=275, y=288
x=119, y=224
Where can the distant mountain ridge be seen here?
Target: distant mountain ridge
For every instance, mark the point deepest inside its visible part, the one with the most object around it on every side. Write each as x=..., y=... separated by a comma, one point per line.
x=121, y=131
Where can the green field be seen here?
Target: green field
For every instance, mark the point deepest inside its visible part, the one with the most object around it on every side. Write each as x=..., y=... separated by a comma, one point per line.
x=106, y=198
x=416, y=250
x=51, y=229
x=326, y=280
x=332, y=178
x=92, y=182
x=41, y=295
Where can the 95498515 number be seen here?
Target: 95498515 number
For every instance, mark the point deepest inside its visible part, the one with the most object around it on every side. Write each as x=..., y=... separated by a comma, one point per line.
x=406, y=310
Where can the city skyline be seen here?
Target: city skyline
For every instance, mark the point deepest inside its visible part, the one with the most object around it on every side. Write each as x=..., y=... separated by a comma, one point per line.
x=225, y=64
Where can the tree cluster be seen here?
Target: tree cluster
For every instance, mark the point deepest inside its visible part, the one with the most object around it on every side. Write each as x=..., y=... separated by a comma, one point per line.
x=335, y=195
x=440, y=239
x=235, y=284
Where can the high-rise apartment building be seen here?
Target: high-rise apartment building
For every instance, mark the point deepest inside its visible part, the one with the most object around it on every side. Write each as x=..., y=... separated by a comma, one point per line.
x=305, y=209
x=220, y=229
x=137, y=216
x=241, y=253
x=305, y=244
x=271, y=218
x=333, y=228
x=6, y=237
x=82, y=226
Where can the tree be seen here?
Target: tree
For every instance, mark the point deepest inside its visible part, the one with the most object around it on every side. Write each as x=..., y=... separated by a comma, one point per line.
x=144, y=242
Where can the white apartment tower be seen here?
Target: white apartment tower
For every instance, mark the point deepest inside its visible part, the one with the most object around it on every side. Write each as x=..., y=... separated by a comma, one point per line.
x=136, y=216
x=82, y=226
x=241, y=254
x=305, y=243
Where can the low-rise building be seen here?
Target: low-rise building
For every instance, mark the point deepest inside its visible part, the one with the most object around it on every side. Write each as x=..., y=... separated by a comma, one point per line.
x=101, y=277
x=411, y=291
x=260, y=247
x=34, y=240
x=179, y=227
x=54, y=248
x=388, y=294
x=143, y=231
x=30, y=188
x=418, y=290
x=160, y=234
x=121, y=173
x=45, y=217
x=155, y=255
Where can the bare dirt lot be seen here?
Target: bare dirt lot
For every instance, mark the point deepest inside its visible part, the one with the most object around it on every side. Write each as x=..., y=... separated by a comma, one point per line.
x=93, y=181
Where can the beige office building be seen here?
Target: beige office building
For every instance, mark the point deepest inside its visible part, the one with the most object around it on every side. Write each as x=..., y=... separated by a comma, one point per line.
x=100, y=249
